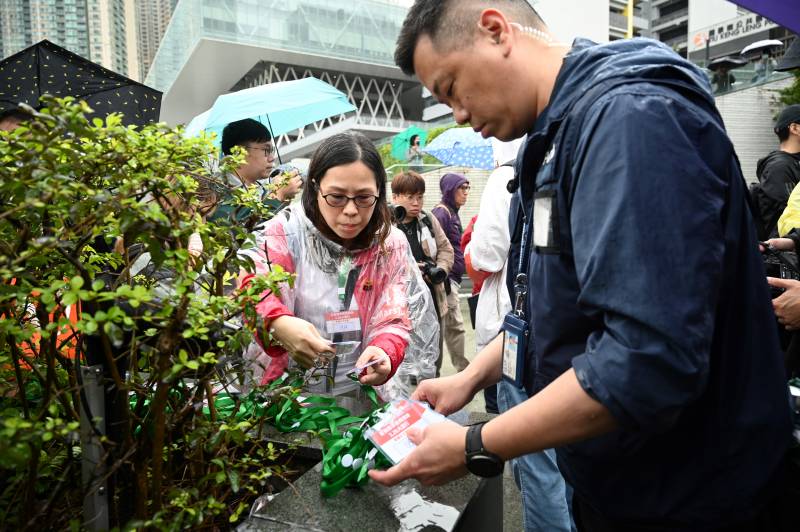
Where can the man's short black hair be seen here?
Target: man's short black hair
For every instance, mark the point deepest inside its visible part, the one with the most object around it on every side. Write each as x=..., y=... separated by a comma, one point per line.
x=788, y=116
x=242, y=132
x=448, y=22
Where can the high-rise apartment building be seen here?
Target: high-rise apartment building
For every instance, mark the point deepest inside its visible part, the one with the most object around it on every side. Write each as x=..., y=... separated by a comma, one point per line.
x=618, y=19
x=103, y=31
x=112, y=35
x=669, y=23
x=152, y=18
x=26, y=22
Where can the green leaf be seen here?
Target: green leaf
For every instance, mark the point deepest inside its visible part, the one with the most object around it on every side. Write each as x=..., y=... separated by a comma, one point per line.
x=233, y=476
x=235, y=515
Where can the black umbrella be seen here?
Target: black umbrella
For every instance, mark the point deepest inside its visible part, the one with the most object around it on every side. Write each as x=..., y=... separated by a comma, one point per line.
x=726, y=62
x=46, y=68
x=791, y=59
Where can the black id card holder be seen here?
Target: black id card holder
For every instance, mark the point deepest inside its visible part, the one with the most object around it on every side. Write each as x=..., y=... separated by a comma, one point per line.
x=515, y=343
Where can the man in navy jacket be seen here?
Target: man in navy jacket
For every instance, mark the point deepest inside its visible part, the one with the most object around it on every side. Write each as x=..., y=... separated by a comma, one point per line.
x=653, y=359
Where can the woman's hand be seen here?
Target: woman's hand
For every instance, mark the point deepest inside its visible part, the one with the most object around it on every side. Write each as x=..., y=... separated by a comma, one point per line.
x=378, y=373
x=302, y=340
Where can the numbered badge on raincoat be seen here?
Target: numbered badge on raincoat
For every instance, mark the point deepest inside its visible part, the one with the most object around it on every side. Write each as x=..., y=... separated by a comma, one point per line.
x=344, y=321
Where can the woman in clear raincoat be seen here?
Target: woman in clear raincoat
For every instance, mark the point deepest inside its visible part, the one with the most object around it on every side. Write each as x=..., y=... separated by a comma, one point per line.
x=358, y=294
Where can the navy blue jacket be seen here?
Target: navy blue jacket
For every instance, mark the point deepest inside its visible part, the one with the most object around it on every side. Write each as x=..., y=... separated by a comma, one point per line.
x=651, y=287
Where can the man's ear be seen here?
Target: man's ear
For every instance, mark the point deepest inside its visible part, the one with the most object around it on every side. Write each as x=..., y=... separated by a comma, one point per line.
x=493, y=25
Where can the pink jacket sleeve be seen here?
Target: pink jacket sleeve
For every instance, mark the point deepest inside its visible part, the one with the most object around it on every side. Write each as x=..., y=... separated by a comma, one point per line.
x=271, y=306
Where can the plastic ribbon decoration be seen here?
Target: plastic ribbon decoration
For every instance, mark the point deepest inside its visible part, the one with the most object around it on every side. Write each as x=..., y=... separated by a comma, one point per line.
x=347, y=454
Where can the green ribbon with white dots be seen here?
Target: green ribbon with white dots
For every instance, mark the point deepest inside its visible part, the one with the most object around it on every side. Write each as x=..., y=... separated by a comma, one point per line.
x=347, y=455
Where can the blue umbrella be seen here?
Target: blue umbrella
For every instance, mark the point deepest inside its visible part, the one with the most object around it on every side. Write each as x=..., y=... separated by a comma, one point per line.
x=462, y=147
x=282, y=107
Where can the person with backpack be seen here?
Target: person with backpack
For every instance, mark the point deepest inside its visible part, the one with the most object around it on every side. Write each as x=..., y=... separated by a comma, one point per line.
x=455, y=190
x=641, y=325
x=778, y=174
x=429, y=245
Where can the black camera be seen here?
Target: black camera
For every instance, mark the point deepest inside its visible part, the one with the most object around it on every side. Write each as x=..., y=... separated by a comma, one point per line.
x=780, y=264
x=398, y=213
x=436, y=274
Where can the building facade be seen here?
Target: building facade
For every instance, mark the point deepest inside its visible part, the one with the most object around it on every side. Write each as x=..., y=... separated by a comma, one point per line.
x=214, y=47
x=103, y=31
x=620, y=20
x=26, y=22
x=152, y=17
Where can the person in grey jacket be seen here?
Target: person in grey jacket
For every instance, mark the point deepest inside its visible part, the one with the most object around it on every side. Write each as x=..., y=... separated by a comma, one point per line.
x=429, y=244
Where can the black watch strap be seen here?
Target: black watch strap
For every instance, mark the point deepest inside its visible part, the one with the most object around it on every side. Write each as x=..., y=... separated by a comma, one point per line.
x=474, y=442
x=480, y=461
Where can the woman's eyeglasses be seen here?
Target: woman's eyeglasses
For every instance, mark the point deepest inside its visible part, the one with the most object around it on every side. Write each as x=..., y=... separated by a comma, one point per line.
x=362, y=201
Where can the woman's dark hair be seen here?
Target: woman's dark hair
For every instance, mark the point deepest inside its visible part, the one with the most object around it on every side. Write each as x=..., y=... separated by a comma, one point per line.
x=412, y=139
x=338, y=150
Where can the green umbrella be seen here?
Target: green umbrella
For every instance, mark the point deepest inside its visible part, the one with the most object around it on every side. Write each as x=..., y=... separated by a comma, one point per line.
x=401, y=142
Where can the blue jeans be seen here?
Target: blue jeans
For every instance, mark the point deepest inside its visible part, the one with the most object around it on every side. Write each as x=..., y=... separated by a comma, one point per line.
x=546, y=497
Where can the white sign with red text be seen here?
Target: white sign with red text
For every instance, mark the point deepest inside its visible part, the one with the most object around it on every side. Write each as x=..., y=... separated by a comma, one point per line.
x=390, y=434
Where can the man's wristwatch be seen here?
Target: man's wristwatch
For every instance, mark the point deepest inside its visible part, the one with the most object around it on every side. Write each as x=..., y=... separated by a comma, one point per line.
x=480, y=461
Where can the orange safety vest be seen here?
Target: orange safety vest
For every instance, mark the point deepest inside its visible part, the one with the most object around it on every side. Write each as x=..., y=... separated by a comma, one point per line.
x=67, y=337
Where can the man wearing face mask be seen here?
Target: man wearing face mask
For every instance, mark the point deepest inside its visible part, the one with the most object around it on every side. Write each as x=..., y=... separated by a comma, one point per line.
x=455, y=190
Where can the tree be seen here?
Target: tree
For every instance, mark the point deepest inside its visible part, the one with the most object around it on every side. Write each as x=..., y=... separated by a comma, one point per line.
x=95, y=221
x=791, y=95
x=385, y=150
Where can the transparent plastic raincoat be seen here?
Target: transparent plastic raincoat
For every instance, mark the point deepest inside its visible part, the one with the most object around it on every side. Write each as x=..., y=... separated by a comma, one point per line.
x=394, y=306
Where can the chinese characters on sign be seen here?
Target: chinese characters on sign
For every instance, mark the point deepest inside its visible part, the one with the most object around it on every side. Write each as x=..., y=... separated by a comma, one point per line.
x=730, y=30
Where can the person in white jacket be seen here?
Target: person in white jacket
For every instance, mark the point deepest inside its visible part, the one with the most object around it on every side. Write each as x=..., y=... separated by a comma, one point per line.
x=545, y=494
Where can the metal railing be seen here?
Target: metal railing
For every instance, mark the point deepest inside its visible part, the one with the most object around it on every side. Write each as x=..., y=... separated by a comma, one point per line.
x=743, y=78
x=419, y=168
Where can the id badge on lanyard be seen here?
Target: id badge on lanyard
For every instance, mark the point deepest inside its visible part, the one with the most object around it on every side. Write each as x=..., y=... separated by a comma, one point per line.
x=345, y=321
x=515, y=326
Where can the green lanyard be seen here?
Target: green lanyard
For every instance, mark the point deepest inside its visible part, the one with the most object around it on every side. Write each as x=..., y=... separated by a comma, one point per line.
x=345, y=269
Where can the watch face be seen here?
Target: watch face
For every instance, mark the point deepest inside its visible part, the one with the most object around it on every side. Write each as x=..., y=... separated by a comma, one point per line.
x=484, y=466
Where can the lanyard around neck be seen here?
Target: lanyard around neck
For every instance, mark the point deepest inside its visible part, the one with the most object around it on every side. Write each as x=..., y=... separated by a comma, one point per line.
x=347, y=282
x=521, y=280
